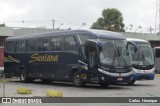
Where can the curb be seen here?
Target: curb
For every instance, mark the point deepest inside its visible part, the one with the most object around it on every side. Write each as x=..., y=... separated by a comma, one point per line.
x=158, y=75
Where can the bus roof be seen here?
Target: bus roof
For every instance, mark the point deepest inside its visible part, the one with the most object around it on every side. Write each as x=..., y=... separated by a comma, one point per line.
x=95, y=33
x=137, y=40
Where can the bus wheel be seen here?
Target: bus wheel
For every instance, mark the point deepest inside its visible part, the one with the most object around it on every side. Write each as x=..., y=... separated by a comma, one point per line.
x=77, y=81
x=23, y=76
x=46, y=81
x=104, y=84
x=132, y=82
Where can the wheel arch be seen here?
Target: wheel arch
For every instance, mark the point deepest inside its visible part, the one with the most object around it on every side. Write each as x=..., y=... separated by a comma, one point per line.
x=20, y=68
x=73, y=70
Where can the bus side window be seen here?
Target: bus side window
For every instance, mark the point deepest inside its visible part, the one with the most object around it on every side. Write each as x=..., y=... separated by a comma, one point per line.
x=31, y=45
x=83, y=38
x=70, y=43
x=21, y=46
x=157, y=53
x=10, y=46
x=56, y=44
x=42, y=44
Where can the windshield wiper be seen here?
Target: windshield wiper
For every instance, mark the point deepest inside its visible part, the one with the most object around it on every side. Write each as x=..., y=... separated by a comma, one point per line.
x=142, y=56
x=122, y=58
x=116, y=54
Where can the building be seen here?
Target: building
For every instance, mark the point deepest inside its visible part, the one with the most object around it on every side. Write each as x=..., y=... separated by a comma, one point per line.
x=154, y=39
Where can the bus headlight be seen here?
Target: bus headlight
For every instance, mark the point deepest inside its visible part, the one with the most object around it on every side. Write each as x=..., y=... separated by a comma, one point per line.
x=104, y=68
x=85, y=67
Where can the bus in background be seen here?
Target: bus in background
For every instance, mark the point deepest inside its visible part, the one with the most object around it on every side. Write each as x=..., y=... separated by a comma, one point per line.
x=80, y=56
x=156, y=52
x=142, y=61
x=1, y=59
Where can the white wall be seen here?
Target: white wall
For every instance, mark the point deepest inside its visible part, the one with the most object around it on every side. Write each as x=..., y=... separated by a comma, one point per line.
x=145, y=36
x=9, y=31
x=6, y=31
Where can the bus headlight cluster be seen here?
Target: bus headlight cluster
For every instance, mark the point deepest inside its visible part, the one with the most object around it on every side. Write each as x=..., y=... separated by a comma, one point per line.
x=85, y=67
x=104, y=68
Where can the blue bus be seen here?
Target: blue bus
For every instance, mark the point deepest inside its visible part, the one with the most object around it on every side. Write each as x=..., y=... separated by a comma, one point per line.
x=142, y=60
x=80, y=56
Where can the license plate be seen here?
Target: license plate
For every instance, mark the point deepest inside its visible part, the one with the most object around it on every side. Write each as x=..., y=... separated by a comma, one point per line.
x=119, y=79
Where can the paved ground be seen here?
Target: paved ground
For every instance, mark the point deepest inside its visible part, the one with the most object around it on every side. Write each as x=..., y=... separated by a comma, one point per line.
x=139, y=89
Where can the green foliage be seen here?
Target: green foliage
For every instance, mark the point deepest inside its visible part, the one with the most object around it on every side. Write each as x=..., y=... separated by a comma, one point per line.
x=2, y=25
x=111, y=20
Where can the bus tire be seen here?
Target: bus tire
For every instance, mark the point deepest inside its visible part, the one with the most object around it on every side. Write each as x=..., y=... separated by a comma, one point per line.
x=76, y=80
x=104, y=84
x=47, y=81
x=23, y=76
x=132, y=82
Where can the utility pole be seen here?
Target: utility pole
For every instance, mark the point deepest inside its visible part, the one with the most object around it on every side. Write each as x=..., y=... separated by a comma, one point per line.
x=83, y=24
x=157, y=17
x=53, y=22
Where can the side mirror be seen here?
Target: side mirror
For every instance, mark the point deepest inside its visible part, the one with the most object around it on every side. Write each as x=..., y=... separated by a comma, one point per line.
x=134, y=45
x=100, y=47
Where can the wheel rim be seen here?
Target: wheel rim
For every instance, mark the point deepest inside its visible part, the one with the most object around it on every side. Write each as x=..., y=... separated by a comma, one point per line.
x=22, y=76
x=77, y=80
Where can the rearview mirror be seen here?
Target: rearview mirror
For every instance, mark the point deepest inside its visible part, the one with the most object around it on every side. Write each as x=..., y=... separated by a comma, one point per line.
x=134, y=45
x=100, y=47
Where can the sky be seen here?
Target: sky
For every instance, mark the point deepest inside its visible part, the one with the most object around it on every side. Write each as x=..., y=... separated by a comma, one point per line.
x=72, y=13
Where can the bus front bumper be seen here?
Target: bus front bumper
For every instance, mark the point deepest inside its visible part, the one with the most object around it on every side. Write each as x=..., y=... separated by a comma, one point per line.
x=108, y=77
x=142, y=76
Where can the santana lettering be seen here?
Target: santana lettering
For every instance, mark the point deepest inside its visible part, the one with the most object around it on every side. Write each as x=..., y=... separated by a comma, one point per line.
x=44, y=58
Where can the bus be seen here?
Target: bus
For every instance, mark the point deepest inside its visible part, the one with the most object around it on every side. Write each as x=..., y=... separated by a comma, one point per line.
x=142, y=61
x=80, y=56
x=156, y=52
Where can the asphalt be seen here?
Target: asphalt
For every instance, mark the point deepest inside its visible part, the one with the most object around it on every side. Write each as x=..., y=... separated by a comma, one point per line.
x=139, y=89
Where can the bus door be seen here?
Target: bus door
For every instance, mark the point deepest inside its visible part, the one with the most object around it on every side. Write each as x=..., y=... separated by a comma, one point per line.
x=91, y=51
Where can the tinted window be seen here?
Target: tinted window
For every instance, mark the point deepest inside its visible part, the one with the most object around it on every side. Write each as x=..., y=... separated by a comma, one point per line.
x=31, y=45
x=56, y=44
x=21, y=46
x=10, y=46
x=157, y=53
x=70, y=43
x=42, y=44
x=83, y=38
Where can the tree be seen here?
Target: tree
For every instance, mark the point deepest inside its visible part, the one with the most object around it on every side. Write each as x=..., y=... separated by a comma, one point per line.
x=2, y=25
x=111, y=20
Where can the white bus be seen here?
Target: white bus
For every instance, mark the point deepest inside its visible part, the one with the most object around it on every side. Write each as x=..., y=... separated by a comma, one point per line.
x=156, y=52
x=142, y=61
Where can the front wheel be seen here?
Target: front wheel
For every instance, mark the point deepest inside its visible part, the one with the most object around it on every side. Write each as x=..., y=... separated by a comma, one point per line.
x=76, y=80
x=132, y=82
x=23, y=76
x=104, y=84
x=46, y=81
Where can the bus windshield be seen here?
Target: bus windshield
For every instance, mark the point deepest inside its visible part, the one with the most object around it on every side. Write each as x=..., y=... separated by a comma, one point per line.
x=114, y=53
x=144, y=55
